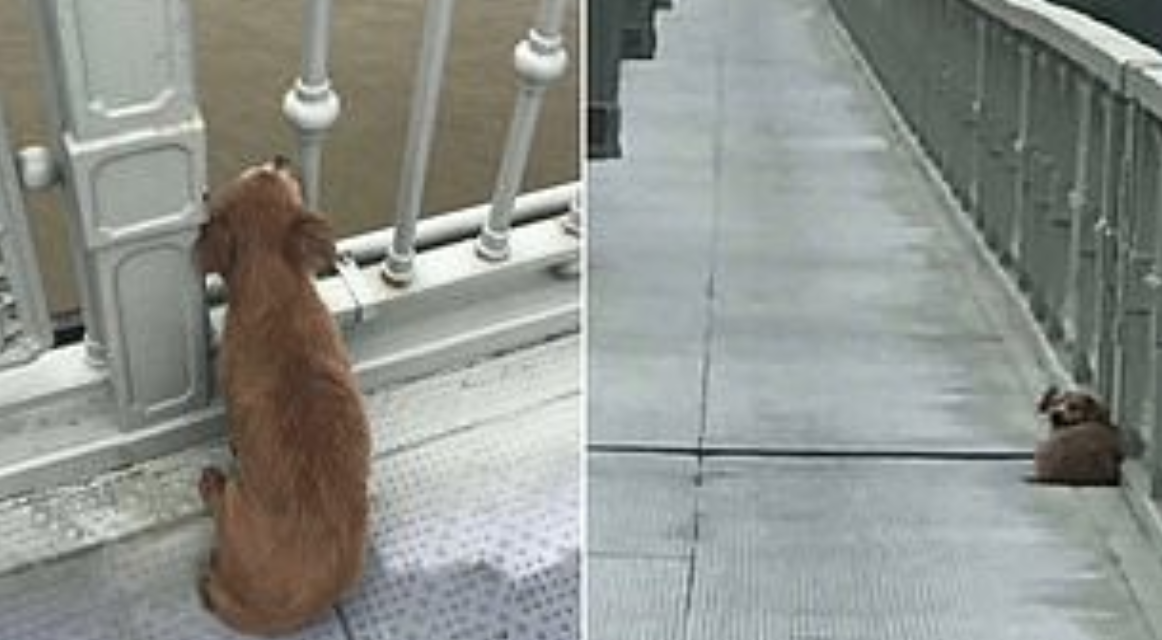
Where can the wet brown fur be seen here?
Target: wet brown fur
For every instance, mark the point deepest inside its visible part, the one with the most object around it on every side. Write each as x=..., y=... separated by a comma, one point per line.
x=1083, y=448
x=291, y=525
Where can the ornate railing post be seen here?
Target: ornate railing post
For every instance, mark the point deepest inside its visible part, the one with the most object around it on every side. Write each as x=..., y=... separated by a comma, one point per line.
x=311, y=105
x=539, y=60
x=130, y=143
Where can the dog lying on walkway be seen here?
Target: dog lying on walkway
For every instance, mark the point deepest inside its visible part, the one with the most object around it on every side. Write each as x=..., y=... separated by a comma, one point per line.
x=291, y=526
x=1083, y=448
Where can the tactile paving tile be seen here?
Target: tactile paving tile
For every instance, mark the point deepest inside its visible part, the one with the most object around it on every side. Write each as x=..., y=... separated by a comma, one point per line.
x=155, y=581
x=478, y=535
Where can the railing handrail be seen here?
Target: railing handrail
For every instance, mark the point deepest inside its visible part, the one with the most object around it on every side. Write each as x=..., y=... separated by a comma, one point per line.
x=1102, y=50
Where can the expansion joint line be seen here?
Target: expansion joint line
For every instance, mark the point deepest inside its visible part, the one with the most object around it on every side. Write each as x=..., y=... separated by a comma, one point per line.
x=710, y=299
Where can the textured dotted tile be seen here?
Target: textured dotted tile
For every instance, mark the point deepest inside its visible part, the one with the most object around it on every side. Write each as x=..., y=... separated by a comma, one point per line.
x=476, y=525
x=155, y=579
x=478, y=535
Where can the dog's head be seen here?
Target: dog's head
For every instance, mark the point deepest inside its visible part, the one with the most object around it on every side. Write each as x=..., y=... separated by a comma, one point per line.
x=262, y=213
x=1070, y=408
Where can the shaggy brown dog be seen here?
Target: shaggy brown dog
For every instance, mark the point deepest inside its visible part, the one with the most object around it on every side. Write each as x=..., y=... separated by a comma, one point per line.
x=291, y=527
x=1083, y=448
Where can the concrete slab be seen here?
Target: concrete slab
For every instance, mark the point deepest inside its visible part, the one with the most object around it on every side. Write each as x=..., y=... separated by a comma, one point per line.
x=641, y=505
x=628, y=388
x=935, y=550
x=649, y=591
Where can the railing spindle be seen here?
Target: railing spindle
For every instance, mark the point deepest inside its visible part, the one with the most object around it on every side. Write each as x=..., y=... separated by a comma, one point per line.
x=539, y=59
x=574, y=220
x=311, y=105
x=397, y=268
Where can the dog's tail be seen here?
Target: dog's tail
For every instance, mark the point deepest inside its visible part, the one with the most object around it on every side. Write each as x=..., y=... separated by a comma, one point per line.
x=245, y=617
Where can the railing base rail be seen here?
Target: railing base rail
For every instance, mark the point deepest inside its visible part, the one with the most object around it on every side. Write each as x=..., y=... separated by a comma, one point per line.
x=68, y=430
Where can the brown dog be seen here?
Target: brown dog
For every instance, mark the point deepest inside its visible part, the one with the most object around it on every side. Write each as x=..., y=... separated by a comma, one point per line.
x=291, y=527
x=1083, y=448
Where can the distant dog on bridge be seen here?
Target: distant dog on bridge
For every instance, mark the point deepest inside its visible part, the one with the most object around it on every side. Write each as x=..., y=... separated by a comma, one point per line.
x=1084, y=448
x=291, y=527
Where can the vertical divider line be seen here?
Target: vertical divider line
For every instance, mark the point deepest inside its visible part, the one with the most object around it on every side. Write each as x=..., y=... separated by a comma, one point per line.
x=711, y=295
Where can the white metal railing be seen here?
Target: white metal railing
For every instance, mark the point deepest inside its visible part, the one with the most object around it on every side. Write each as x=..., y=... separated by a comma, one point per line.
x=1047, y=127
x=539, y=59
x=128, y=152
x=312, y=105
x=25, y=329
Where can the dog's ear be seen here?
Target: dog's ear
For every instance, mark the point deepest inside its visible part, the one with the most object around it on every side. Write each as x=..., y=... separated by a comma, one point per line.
x=310, y=243
x=1097, y=411
x=1048, y=398
x=215, y=247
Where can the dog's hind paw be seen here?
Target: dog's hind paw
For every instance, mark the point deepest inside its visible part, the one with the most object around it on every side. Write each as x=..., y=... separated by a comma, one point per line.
x=204, y=592
x=212, y=484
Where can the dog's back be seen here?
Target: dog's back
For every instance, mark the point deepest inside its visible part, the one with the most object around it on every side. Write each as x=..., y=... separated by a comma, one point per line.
x=292, y=527
x=292, y=538
x=1084, y=448
x=1082, y=455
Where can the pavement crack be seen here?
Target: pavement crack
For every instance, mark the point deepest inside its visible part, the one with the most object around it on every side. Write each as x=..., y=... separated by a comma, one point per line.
x=703, y=452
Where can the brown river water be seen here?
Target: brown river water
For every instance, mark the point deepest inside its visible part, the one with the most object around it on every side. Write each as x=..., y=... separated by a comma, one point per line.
x=248, y=55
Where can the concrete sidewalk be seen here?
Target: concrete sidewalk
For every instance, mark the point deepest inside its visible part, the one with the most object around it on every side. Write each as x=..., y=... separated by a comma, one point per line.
x=811, y=401
x=476, y=530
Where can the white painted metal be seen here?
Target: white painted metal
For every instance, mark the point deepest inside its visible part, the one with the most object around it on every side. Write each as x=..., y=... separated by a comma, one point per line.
x=574, y=221
x=1099, y=48
x=311, y=105
x=25, y=328
x=357, y=296
x=442, y=229
x=397, y=268
x=123, y=106
x=464, y=223
x=1144, y=86
x=37, y=168
x=539, y=59
x=131, y=147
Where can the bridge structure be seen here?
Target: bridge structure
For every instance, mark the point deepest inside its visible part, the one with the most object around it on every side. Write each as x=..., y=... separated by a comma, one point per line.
x=839, y=249
x=462, y=327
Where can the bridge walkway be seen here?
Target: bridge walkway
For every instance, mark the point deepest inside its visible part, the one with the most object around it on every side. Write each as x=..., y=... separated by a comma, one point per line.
x=811, y=394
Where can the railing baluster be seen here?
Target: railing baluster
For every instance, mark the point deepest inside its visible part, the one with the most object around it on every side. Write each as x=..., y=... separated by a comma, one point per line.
x=25, y=328
x=311, y=105
x=397, y=268
x=574, y=220
x=539, y=59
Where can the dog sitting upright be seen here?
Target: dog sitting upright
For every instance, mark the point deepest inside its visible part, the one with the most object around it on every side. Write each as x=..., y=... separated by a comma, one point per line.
x=291, y=527
x=1084, y=447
